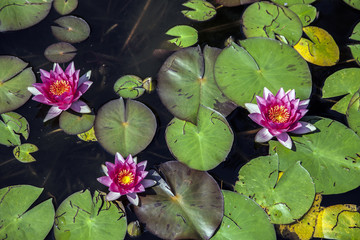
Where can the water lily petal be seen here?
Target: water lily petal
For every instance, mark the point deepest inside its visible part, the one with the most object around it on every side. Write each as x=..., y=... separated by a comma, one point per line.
x=119, y=158
x=82, y=89
x=111, y=196
x=105, y=180
x=105, y=169
x=34, y=90
x=53, y=112
x=42, y=99
x=252, y=107
x=280, y=94
x=256, y=117
x=263, y=135
x=148, y=183
x=80, y=107
x=285, y=140
x=70, y=70
x=261, y=101
x=267, y=93
x=84, y=78
x=291, y=94
x=304, y=128
x=141, y=166
x=133, y=198
x=58, y=69
x=304, y=104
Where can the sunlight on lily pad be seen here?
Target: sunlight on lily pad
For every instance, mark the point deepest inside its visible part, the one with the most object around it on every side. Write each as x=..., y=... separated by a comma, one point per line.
x=181, y=208
x=76, y=123
x=125, y=129
x=64, y=7
x=186, y=36
x=20, y=14
x=307, y=13
x=353, y=3
x=129, y=86
x=355, y=52
x=60, y=52
x=265, y=19
x=71, y=29
x=186, y=80
x=242, y=219
x=15, y=78
x=22, y=152
x=20, y=222
x=234, y=3
x=292, y=2
x=320, y=48
x=343, y=82
x=242, y=72
x=202, y=146
x=201, y=10
x=88, y=136
x=284, y=200
x=331, y=154
x=12, y=127
x=82, y=217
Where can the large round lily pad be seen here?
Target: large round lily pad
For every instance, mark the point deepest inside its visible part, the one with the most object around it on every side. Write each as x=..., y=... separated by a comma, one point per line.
x=126, y=129
x=71, y=29
x=20, y=14
x=242, y=72
x=286, y=199
x=14, y=81
x=189, y=205
x=242, y=220
x=186, y=80
x=82, y=217
x=17, y=221
x=265, y=19
x=202, y=146
x=330, y=154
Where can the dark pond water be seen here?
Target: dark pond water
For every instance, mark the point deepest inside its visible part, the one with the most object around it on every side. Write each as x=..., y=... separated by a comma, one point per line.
x=65, y=164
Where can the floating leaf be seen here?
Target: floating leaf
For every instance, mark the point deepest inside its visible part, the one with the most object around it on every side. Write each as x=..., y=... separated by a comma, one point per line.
x=134, y=229
x=343, y=82
x=202, y=146
x=201, y=10
x=338, y=222
x=20, y=222
x=353, y=3
x=234, y=3
x=243, y=72
x=88, y=136
x=81, y=217
x=307, y=13
x=22, y=152
x=20, y=14
x=320, y=48
x=292, y=2
x=186, y=81
x=148, y=84
x=353, y=113
x=334, y=169
x=129, y=86
x=76, y=123
x=71, y=29
x=181, y=208
x=12, y=127
x=264, y=19
x=242, y=219
x=127, y=130
x=355, y=52
x=285, y=200
x=14, y=81
x=65, y=7
x=60, y=52
x=186, y=36
x=355, y=35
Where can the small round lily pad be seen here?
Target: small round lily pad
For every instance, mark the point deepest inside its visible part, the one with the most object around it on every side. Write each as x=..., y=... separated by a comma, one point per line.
x=71, y=29
x=65, y=7
x=129, y=86
x=76, y=123
x=60, y=52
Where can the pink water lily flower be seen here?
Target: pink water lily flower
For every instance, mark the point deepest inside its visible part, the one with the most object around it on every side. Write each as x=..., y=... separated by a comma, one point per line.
x=61, y=90
x=125, y=177
x=279, y=115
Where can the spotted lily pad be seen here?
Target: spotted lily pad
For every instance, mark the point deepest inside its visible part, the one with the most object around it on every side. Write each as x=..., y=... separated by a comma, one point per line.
x=180, y=207
x=82, y=217
x=292, y=2
x=331, y=155
x=60, y=52
x=129, y=86
x=306, y=13
x=22, y=152
x=233, y=3
x=71, y=29
x=353, y=3
x=185, y=36
x=201, y=10
x=285, y=200
x=186, y=80
x=126, y=129
x=242, y=72
x=20, y=222
x=353, y=113
x=242, y=220
x=12, y=127
x=265, y=19
x=65, y=6
x=15, y=78
x=202, y=146
x=20, y=14
x=76, y=123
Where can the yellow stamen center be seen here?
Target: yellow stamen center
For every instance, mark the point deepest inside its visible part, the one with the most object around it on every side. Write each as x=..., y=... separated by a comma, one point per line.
x=279, y=114
x=59, y=87
x=125, y=177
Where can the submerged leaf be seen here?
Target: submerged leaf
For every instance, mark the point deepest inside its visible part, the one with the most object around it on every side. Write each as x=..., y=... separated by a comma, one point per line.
x=186, y=36
x=201, y=10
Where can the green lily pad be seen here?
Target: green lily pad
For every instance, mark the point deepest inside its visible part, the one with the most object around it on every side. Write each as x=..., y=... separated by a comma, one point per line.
x=355, y=52
x=343, y=82
x=292, y=2
x=129, y=86
x=83, y=217
x=181, y=208
x=285, y=200
x=20, y=222
x=71, y=29
x=194, y=145
x=76, y=123
x=20, y=14
x=186, y=81
x=12, y=127
x=186, y=36
x=243, y=72
x=242, y=220
x=353, y=3
x=353, y=113
x=65, y=7
x=201, y=10
x=14, y=81
x=331, y=155
x=126, y=129
x=234, y=3
x=355, y=35
x=22, y=152
x=60, y=52
x=306, y=13
x=265, y=19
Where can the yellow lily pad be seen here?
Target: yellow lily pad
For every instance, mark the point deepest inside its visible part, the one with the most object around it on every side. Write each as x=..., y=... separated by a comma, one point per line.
x=320, y=49
x=88, y=136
